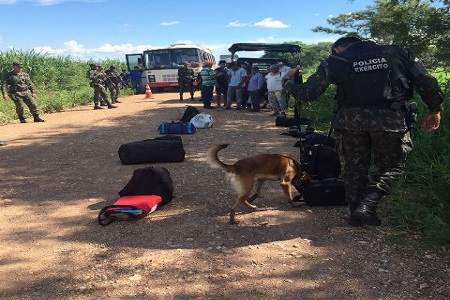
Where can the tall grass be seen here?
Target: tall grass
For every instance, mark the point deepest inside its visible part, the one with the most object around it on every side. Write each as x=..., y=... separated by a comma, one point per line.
x=421, y=201
x=60, y=82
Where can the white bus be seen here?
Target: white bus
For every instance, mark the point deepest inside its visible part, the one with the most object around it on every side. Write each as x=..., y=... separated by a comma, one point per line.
x=160, y=66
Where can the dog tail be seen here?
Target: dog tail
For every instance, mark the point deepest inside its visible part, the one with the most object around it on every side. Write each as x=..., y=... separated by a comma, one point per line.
x=213, y=159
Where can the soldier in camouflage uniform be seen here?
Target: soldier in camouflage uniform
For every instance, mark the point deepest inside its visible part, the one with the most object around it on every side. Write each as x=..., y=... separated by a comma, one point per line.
x=89, y=74
x=99, y=79
x=20, y=88
x=373, y=84
x=186, y=77
x=114, y=81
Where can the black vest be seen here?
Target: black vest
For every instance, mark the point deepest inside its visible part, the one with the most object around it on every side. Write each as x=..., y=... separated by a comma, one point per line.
x=367, y=74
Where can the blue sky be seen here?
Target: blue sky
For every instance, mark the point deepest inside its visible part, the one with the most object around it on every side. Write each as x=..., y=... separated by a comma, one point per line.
x=100, y=29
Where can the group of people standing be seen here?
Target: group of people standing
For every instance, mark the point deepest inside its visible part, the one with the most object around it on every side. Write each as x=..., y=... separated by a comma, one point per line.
x=242, y=84
x=100, y=81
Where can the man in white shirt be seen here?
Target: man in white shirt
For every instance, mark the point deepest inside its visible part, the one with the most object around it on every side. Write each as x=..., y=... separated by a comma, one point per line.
x=276, y=92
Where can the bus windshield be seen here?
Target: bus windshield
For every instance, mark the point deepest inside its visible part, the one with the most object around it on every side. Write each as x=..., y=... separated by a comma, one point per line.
x=170, y=58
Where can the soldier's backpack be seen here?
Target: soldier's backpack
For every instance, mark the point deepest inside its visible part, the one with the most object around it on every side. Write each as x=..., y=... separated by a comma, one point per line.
x=318, y=157
x=321, y=168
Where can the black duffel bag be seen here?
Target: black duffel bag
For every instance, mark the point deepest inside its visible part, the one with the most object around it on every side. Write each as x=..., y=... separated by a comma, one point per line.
x=285, y=121
x=167, y=148
x=325, y=192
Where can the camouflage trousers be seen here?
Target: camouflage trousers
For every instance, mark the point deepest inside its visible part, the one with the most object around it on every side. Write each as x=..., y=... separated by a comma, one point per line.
x=372, y=160
x=186, y=85
x=100, y=94
x=27, y=98
x=114, y=91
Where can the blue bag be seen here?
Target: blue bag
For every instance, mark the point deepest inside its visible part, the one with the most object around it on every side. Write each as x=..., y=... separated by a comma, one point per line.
x=177, y=128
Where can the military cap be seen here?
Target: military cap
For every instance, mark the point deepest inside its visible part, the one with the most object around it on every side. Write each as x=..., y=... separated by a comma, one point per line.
x=17, y=63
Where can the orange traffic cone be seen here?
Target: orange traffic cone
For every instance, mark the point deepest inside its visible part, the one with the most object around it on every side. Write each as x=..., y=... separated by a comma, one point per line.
x=148, y=92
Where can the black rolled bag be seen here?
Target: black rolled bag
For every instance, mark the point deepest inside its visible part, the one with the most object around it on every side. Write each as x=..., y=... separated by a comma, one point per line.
x=285, y=121
x=324, y=192
x=167, y=148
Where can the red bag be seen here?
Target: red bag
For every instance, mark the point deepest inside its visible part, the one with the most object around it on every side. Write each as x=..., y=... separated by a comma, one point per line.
x=129, y=208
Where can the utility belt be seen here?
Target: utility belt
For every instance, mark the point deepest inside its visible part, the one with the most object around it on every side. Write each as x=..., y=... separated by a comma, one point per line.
x=411, y=111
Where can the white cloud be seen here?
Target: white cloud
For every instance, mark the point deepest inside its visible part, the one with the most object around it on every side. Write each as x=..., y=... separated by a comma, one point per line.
x=165, y=23
x=268, y=39
x=271, y=23
x=106, y=51
x=8, y=2
x=236, y=24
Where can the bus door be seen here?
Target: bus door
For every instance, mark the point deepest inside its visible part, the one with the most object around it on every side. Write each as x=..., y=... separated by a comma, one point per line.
x=134, y=60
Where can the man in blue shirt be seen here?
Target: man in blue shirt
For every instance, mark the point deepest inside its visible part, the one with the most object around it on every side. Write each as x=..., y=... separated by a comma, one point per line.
x=255, y=88
x=136, y=79
x=237, y=76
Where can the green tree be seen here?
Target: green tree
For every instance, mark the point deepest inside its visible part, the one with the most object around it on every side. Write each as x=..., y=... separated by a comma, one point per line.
x=420, y=25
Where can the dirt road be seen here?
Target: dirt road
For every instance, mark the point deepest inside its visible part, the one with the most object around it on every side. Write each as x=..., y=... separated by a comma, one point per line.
x=56, y=176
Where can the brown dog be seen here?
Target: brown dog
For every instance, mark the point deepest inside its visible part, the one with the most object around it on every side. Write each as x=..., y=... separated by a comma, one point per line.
x=259, y=168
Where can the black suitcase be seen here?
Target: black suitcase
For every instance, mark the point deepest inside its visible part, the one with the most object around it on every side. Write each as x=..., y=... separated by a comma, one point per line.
x=168, y=148
x=325, y=192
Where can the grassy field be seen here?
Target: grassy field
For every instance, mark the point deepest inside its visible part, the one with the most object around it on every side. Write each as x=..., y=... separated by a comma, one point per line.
x=420, y=204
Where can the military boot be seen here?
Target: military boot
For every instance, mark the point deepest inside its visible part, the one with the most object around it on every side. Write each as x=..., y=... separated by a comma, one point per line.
x=98, y=107
x=366, y=211
x=354, y=221
x=37, y=118
x=22, y=119
x=111, y=106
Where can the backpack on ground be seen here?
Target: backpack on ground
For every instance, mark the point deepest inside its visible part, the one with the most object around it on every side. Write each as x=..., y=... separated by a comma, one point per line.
x=318, y=157
x=321, y=167
x=189, y=113
x=149, y=188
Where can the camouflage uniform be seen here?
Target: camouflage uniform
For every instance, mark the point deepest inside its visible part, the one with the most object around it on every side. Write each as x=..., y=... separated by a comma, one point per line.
x=98, y=79
x=89, y=75
x=114, y=81
x=375, y=130
x=186, y=78
x=20, y=89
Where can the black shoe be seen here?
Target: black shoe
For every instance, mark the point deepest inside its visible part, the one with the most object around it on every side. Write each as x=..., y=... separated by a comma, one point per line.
x=111, y=106
x=355, y=222
x=22, y=120
x=367, y=215
x=98, y=107
x=117, y=101
x=37, y=119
